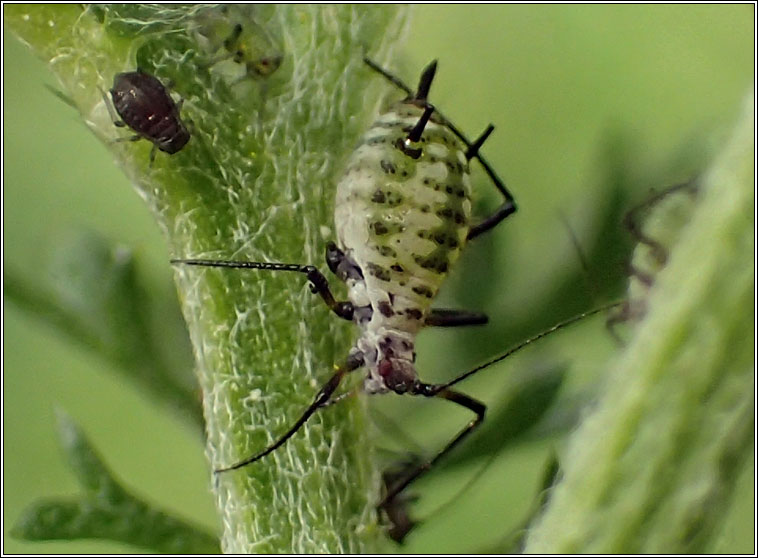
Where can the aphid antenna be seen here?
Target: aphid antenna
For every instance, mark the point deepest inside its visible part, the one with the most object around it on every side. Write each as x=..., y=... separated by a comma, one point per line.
x=319, y=283
x=62, y=96
x=530, y=340
x=321, y=400
x=581, y=256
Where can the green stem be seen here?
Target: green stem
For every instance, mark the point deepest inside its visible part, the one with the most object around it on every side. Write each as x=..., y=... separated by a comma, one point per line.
x=653, y=468
x=256, y=181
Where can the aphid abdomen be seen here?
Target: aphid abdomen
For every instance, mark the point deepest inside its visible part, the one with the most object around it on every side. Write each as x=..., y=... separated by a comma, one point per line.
x=145, y=106
x=403, y=212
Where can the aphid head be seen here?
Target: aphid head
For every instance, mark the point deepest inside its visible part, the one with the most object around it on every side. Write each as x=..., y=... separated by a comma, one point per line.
x=175, y=142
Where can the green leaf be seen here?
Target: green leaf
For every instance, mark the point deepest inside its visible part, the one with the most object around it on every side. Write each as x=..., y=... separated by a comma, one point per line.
x=96, y=297
x=514, y=541
x=106, y=510
x=652, y=470
x=256, y=181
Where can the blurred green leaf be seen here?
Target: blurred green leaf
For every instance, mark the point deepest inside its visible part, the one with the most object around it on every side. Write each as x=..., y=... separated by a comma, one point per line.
x=106, y=510
x=95, y=297
x=514, y=542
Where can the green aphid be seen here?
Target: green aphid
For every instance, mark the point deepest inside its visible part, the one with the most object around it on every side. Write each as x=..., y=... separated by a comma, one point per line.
x=231, y=34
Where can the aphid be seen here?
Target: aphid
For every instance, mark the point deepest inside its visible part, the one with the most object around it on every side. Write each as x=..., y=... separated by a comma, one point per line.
x=145, y=106
x=234, y=31
x=402, y=217
x=242, y=49
x=655, y=224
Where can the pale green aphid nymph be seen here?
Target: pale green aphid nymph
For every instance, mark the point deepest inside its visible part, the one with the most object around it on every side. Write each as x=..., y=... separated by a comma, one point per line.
x=402, y=221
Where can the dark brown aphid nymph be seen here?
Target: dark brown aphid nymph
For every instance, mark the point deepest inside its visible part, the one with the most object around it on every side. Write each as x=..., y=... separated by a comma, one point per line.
x=145, y=106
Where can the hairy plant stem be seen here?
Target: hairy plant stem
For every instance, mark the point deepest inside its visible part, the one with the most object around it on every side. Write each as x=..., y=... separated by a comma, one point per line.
x=255, y=182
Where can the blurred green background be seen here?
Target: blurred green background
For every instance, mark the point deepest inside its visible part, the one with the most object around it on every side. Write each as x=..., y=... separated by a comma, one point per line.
x=593, y=107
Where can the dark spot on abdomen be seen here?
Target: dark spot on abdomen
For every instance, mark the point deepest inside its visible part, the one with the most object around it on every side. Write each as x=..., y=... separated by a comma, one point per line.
x=385, y=308
x=414, y=313
x=378, y=271
x=379, y=228
x=387, y=167
x=423, y=291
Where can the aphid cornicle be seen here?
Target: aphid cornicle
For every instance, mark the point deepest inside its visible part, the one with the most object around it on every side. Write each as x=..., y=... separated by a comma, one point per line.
x=145, y=106
x=402, y=216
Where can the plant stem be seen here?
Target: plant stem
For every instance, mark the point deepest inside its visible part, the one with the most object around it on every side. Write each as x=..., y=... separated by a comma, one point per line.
x=652, y=469
x=256, y=181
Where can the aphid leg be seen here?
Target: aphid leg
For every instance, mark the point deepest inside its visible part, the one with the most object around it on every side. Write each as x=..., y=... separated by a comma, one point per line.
x=120, y=124
x=341, y=397
x=394, y=80
x=622, y=314
x=319, y=283
x=644, y=278
x=136, y=137
x=231, y=48
x=230, y=43
x=153, y=151
x=629, y=309
x=321, y=400
x=111, y=111
x=633, y=219
x=437, y=390
x=396, y=510
x=339, y=264
x=508, y=207
x=444, y=317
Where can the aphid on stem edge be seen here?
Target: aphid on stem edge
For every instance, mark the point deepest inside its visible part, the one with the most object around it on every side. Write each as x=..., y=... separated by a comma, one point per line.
x=402, y=216
x=235, y=31
x=656, y=225
x=145, y=106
